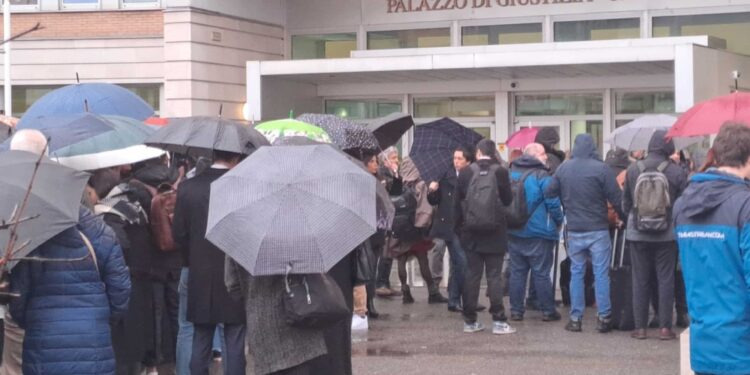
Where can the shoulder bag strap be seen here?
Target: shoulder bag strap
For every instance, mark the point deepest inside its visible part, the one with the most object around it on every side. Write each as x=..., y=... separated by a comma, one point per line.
x=91, y=251
x=663, y=166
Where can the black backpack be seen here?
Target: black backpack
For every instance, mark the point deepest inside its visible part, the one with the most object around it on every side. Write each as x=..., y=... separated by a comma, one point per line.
x=403, y=227
x=517, y=213
x=482, y=208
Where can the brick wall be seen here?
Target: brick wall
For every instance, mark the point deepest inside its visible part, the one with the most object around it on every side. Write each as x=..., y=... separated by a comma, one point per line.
x=81, y=25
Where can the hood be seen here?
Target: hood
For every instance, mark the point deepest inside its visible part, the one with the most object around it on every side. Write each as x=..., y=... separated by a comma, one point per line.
x=156, y=174
x=527, y=162
x=709, y=190
x=618, y=159
x=660, y=145
x=409, y=171
x=548, y=137
x=584, y=147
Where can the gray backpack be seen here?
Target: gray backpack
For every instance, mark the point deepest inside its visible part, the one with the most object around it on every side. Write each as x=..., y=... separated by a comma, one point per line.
x=481, y=207
x=651, y=201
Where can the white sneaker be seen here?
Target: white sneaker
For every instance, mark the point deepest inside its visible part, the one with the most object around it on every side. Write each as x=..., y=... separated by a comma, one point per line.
x=473, y=328
x=359, y=323
x=502, y=328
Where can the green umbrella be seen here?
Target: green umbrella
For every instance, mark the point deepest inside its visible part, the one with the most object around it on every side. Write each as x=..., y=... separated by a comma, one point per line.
x=292, y=128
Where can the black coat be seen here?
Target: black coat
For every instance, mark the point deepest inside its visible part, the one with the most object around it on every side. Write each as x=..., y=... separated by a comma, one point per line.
x=444, y=219
x=495, y=242
x=208, y=299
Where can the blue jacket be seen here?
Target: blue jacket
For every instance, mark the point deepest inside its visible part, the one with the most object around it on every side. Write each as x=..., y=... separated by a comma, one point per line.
x=547, y=214
x=585, y=184
x=712, y=224
x=65, y=307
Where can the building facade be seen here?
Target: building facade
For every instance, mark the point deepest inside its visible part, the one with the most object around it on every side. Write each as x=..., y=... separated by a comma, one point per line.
x=581, y=66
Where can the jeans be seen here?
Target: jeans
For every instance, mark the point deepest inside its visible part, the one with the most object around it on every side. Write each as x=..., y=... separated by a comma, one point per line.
x=233, y=358
x=457, y=274
x=597, y=245
x=531, y=254
x=185, y=333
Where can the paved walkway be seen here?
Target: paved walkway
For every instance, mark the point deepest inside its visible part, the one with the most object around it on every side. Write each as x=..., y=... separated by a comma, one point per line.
x=427, y=339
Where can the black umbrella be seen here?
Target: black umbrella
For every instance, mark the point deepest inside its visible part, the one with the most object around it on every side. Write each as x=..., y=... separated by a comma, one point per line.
x=53, y=203
x=200, y=136
x=434, y=143
x=388, y=130
x=345, y=134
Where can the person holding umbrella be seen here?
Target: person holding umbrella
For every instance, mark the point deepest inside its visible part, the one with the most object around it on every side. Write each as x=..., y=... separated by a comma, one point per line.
x=66, y=335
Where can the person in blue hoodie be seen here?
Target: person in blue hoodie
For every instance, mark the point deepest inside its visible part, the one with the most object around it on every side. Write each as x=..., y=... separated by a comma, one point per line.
x=585, y=185
x=712, y=225
x=531, y=246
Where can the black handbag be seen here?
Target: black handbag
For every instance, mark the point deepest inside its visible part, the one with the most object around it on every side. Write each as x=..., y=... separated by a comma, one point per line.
x=366, y=261
x=314, y=301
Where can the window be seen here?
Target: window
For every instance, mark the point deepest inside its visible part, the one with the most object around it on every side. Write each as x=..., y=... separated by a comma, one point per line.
x=734, y=28
x=409, y=38
x=559, y=104
x=24, y=2
x=593, y=127
x=73, y=4
x=501, y=34
x=140, y=3
x=149, y=93
x=362, y=109
x=625, y=28
x=325, y=46
x=25, y=96
x=644, y=102
x=473, y=106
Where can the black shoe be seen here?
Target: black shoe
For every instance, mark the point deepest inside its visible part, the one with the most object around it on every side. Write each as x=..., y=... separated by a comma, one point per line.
x=406, y=298
x=603, y=324
x=516, y=317
x=654, y=323
x=436, y=298
x=553, y=317
x=683, y=320
x=480, y=308
x=457, y=309
x=573, y=326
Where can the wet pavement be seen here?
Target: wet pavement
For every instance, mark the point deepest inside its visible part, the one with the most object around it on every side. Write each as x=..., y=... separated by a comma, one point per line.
x=428, y=339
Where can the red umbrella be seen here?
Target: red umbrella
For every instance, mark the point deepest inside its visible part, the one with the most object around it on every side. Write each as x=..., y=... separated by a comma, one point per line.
x=707, y=117
x=522, y=138
x=157, y=121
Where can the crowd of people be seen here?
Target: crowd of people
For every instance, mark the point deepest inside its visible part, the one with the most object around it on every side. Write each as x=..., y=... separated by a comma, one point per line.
x=156, y=295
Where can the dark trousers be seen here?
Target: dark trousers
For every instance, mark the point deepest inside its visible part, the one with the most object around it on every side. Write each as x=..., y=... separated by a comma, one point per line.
x=479, y=263
x=166, y=308
x=384, y=271
x=305, y=368
x=233, y=356
x=647, y=257
x=129, y=369
x=424, y=268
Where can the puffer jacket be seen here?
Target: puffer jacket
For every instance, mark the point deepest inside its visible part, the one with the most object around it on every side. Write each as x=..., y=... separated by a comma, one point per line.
x=65, y=307
x=547, y=215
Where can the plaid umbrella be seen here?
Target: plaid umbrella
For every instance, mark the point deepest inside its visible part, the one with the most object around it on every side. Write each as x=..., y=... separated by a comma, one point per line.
x=345, y=134
x=434, y=143
x=304, y=206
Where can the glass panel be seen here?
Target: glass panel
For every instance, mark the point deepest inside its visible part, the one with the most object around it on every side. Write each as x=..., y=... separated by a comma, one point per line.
x=24, y=2
x=409, y=38
x=139, y=1
x=593, y=127
x=619, y=123
x=625, y=28
x=325, y=46
x=80, y=2
x=484, y=131
x=501, y=34
x=472, y=106
x=25, y=96
x=362, y=109
x=644, y=102
x=149, y=93
x=559, y=104
x=732, y=27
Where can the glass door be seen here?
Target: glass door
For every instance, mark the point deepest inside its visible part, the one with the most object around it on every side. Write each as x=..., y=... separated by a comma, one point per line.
x=559, y=126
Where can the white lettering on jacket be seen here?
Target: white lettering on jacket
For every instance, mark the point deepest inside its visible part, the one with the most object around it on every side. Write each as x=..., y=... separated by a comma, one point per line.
x=701, y=234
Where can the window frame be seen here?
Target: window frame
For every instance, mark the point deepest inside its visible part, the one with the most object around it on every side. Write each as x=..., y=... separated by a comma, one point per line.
x=22, y=8
x=153, y=4
x=296, y=34
x=397, y=28
x=506, y=23
x=578, y=18
x=96, y=6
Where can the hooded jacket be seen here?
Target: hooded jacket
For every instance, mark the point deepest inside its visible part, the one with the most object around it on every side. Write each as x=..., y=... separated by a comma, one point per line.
x=658, y=152
x=65, y=307
x=712, y=224
x=548, y=138
x=585, y=185
x=546, y=214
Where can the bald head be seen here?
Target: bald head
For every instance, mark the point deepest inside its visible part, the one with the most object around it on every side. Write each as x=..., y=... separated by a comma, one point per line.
x=536, y=150
x=29, y=140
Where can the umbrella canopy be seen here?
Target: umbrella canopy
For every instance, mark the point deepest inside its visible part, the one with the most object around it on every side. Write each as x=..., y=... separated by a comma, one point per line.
x=304, y=206
x=64, y=130
x=636, y=135
x=388, y=130
x=201, y=136
x=55, y=197
x=99, y=98
x=706, y=118
x=273, y=130
x=522, y=138
x=345, y=134
x=434, y=143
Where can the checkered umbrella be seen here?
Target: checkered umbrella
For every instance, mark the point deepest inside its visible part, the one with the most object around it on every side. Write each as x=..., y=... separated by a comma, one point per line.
x=345, y=134
x=301, y=206
x=434, y=143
